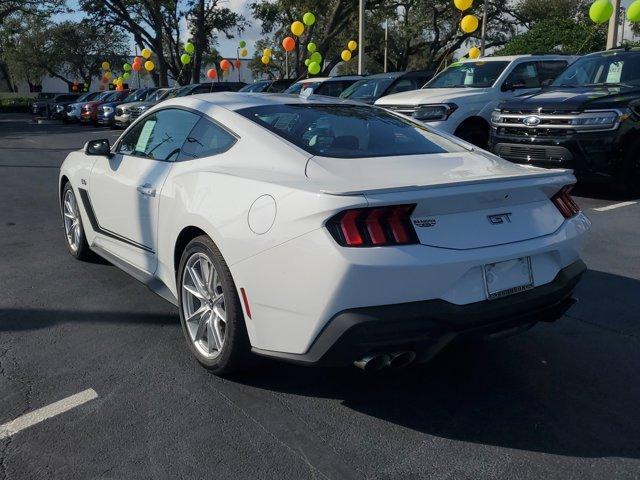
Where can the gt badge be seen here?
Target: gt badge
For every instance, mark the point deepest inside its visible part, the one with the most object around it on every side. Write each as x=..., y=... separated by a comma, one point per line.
x=427, y=222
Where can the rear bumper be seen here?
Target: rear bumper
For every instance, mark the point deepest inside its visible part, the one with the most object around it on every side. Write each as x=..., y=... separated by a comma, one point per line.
x=417, y=326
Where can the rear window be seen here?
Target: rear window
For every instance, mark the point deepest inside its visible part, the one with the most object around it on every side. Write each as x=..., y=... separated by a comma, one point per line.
x=348, y=131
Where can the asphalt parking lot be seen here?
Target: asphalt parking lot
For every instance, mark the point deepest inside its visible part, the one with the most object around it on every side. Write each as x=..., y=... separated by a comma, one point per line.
x=560, y=401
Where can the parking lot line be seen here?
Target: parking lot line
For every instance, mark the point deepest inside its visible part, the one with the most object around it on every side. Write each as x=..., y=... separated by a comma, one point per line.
x=29, y=419
x=615, y=205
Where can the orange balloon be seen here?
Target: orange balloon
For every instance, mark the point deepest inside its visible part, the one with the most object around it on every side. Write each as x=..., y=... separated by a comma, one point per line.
x=288, y=44
x=136, y=66
x=212, y=73
x=225, y=65
x=238, y=64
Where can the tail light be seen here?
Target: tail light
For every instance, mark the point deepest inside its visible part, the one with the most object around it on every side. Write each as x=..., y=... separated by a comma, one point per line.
x=564, y=203
x=374, y=227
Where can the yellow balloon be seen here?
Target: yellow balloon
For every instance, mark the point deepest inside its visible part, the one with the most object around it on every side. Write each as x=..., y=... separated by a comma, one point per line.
x=474, y=52
x=297, y=28
x=469, y=24
x=267, y=52
x=243, y=52
x=346, y=55
x=146, y=53
x=352, y=45
x=105, y=65
x=148, y=65
x=265, y=60
x=107, y=75
x=463, y=5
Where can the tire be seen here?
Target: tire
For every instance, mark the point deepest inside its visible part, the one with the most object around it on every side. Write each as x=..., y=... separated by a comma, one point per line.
x=474, y=133
x=75, y=238
x=628, y=181
x=211, y=315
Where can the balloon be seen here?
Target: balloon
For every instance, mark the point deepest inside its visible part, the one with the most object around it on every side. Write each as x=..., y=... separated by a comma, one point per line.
x=314, y=68
x=242, y=44
x=633, y=12
x=212, y=73
x=136, y=66
x=119, y=88
x=126, y=67
x=185, y=58
x=600, y=11
x=311, y=47
x=137, y=60
x=307, y=62
x=265, y=60
x=309, y=19
x=225, y=65
x=463, y=5
x=189, y=47
x=474, y=52
x=243, y=52
x=86, y=85
x=107, y=75
x=297, y=28
x=316, y=57
x=288, y=44
x=469, y=23
x=126, y=75
x=146, y=53
x=267, y=52
x=148, y=65
x=74, y=87
x=346, y=55
x=237, y=64
x=352, y=45
x=105, y=65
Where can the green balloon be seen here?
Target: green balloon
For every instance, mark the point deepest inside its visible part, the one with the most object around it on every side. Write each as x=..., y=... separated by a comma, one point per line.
x=126, y=75
x=189, y=48
x=309, y=19
x=243, y=44
x=600, y=11
x=126, y=67
x=316, y=57
x=307, y=62
x=311, y=47
x=633, y=12
x=185, y=58
x=314, y=68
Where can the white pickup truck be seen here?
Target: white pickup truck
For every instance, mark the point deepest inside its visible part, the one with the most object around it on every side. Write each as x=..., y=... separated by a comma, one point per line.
x=460, y=99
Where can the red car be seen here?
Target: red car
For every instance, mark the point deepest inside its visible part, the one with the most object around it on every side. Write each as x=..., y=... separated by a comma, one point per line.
x=89, y=110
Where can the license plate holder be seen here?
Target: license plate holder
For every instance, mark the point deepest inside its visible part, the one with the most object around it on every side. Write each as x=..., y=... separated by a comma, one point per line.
x=506, y=278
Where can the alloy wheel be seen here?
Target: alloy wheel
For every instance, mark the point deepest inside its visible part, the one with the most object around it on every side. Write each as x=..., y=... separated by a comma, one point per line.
x=71, y=215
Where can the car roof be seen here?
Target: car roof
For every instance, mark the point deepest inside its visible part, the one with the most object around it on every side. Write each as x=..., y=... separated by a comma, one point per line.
x=239, y=100
x=511, y=58
x=331, y=79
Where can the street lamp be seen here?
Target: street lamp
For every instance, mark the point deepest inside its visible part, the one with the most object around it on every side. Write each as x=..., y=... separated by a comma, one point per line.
x=361, y=39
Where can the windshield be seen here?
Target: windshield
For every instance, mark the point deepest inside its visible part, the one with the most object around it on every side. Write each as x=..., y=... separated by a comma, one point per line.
x=255, y=87
x=296, y=88
x=348, y=131
x=612, y=68
x=368, y=89
x=137, y=95
x=468, y=75
x=85, y=97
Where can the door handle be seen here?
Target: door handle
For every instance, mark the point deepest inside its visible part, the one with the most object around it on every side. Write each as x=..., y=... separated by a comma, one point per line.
x=147, y=190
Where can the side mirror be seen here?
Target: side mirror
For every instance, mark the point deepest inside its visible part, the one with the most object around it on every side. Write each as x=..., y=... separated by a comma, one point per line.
x=98, y=147
x=546, y=83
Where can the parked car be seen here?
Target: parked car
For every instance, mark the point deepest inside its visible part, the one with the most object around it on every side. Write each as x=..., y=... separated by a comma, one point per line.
x=223, y=203
x=59, y=109
x=75, y=109
x=587, y=120
x=373, y=87
x=44, y=107
x=122, y=118
x=89, y=113
x=136, y=110
x=328, y=86
x=107, y=111
x=460, y=99
x=268, y=86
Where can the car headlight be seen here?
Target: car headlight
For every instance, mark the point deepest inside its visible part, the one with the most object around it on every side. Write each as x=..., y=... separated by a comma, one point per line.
x=107, y=110
x=599, y=119
x=435, y=112
x=59, y=108
x=496, y=116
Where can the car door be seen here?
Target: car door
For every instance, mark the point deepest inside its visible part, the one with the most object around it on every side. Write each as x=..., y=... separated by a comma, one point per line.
x=125, y=189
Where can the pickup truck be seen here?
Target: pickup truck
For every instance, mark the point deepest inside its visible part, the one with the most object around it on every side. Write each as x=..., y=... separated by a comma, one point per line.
x=587, y=120
x=461, y=98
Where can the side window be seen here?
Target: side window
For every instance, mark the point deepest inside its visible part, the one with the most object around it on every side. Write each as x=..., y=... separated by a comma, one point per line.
x=548, y=70
x=524, y=75
x=403, y=85
x=205, y=140
x=160, y=135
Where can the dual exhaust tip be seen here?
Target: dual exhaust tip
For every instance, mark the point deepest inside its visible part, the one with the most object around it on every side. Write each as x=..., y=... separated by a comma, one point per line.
x=380, y=361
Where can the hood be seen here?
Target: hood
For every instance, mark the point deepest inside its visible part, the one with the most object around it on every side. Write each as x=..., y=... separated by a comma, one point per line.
x=434, y=95
x=411, y=172
x=130, y=104
x=110, y=104
x=580, y=98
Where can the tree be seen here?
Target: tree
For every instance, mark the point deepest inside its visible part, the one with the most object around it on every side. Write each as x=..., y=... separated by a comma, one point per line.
x=43, y=8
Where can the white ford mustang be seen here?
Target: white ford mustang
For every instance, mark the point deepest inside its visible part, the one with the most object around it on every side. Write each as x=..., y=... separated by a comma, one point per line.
x=322, y=231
